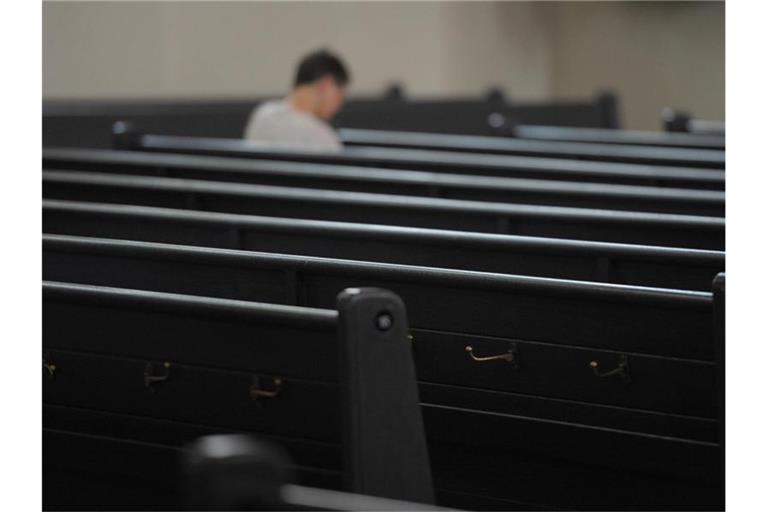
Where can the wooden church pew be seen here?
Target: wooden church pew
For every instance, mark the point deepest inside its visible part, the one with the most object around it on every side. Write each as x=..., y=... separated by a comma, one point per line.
x=236, y=472
x=88, y=123
x=609, y=136
x=649, y=425
x=559, y=222
x=473, y=116
x=665, y=267
x=512, y=190
x=642, y=321
x=675, y=121
x=589, y=151
x=437, y=161
x=573, y=394
x=231, y=365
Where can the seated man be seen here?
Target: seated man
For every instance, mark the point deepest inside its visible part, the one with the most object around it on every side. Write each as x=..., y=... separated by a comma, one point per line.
x=300, y=120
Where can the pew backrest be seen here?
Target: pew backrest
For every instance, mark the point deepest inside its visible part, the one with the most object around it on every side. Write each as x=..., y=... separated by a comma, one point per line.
x=197, y=352
x=448, y=308
x=589, y=151
x=324, y=176
x=607, y=136
x=589, y=365
x=548, y=221
x=439, y=161
x=665, y=267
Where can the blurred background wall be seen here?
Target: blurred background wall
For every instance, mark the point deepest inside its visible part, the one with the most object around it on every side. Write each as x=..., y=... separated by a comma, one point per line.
x=653, y=54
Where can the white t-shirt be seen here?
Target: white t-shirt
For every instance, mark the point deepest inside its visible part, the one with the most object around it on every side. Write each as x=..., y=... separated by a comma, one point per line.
x=277, y=123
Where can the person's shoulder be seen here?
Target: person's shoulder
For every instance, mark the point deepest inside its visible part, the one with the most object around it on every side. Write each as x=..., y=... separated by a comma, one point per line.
x=323, y=135
x=314, y=122
x=270, y=107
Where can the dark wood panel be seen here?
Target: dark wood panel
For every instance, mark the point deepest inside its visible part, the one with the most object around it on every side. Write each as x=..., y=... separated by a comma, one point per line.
x=672, y=167
x=557, y=222
x=195, y=395
x=546, y=257
x=658, y=384
x=350, y=178
x=662, y=322
x=591, y=151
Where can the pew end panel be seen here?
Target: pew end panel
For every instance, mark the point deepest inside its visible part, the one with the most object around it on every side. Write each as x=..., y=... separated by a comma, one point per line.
x=376, y=365
x=719, y=310
x=226, y=365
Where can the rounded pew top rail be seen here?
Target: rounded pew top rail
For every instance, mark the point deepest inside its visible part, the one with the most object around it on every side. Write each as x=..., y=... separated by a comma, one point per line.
x=386, y=200
x=558, y=222
x=627, y=153
x=443, y=303
x=316, y=175
x=445, y=306
x=613, y=136
x=675, y=121
x=491, y=115
x=409, y=273
x=444, y=162
x=200, y=305
x=86, y=123
x=359, y=343
x=550, y=257
x=437, y=236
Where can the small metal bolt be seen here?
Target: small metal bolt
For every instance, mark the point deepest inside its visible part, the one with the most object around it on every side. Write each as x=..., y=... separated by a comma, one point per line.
x=384, y=321
x=496, y=120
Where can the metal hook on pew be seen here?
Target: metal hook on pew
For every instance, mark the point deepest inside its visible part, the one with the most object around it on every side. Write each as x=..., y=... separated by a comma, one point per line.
x=48, y=365
x=622, y=369
x=151, y=378
x=509, y=356
x=258, y=393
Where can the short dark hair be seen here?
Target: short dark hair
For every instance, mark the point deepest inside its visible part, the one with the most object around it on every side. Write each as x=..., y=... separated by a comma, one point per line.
x=318, y=64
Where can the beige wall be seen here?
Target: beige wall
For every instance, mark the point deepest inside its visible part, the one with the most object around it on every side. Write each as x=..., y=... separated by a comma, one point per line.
x=504, y=44
x=653, y=55
x=173, y=49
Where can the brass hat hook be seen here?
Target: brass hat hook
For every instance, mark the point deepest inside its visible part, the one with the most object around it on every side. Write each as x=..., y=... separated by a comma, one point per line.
x=151, y=378
x=48, y=365
x=622, y=369
x=509, y=356
x=258, y=393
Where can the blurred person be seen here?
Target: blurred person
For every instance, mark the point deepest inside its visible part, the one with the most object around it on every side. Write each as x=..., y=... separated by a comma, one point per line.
x=300, y=120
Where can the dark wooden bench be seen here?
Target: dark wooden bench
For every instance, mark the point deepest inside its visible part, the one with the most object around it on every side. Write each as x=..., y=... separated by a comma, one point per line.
x=608, y=136
x=194, y=361
x=675, y=121
x=547, y=221
x=88, y=123
x=490, y=116
x=244, y=472
x=323, y=176
x=588, y=151
x=540, y=408
x=437, y=161
x=665, y=267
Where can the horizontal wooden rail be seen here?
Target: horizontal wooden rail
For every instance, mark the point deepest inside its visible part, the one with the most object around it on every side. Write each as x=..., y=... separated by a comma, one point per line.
x=310, y=175
x=588, y=151
x=607, y=136
x=559, y=222
x=441, y=161
x=353, y=333
x=665, y=267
